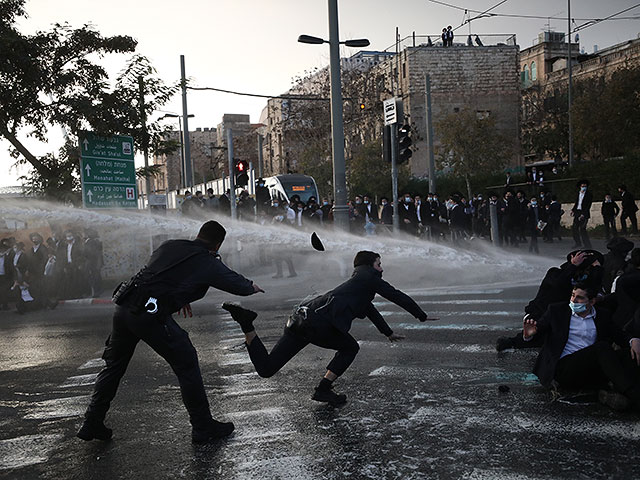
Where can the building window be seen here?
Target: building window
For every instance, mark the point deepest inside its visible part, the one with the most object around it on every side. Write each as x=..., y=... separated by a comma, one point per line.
x=534, y=72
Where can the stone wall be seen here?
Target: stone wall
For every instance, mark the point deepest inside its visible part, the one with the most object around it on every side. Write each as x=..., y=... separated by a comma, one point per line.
x=485, y=79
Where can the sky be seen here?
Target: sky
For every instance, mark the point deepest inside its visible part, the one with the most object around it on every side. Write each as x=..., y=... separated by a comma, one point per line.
x=251, y=45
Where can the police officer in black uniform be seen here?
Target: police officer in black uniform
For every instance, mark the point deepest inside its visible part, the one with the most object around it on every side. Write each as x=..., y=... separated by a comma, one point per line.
x=325, y=321
x=179, y=272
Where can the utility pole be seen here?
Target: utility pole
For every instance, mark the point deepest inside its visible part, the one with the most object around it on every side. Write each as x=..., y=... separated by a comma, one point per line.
x=187, y=140
x=340, y=209
x=432, y=163
x=232, y=179
x=260, y=159
x=570, y=66
x=394, y=176
x=145, y=137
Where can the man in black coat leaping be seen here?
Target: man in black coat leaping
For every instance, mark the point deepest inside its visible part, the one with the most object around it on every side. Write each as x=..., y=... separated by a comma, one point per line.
x=325, y=321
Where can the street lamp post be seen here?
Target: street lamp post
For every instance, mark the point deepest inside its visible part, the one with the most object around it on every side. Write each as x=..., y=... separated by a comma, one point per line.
x=341, y=211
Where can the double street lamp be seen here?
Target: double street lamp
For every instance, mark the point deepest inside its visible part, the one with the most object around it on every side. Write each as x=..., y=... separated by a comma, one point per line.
x=340, y=209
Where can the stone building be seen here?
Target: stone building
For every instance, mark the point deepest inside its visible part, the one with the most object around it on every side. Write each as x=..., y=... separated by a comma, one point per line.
x=482, y=78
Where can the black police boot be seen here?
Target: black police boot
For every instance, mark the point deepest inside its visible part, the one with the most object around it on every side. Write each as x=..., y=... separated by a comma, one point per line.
x=324, y=393
x=241, y=315
x=94, y=429
x=212, y=432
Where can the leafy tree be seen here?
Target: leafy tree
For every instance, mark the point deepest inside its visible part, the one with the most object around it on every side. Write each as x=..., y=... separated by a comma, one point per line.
x=470, y=145
x=49, y=79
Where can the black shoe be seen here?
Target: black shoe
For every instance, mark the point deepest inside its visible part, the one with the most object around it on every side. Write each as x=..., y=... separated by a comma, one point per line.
x=329, y=396
x=241, y=315
x=97, y=430
x=614, y=400
x=212, y=432
x=504, y=343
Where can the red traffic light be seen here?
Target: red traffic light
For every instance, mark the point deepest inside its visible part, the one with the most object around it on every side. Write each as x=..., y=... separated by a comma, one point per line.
x=241, y=166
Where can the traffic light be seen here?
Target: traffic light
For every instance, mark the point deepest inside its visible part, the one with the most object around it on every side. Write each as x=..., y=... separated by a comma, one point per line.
x=404, y=144
x=241, y=173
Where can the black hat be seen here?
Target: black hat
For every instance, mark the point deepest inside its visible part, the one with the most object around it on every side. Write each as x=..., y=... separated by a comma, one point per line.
x=620, y=244
x=591, y=256
x=580, y=182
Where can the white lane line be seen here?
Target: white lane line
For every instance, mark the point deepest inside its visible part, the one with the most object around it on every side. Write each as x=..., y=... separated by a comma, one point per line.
x=432, y=347
x=79, y=380
x=295, y=467
x=93, y=363
x=460, y=326
x=239, y=358
x=59, y=408
x=27, y=450
x=458, y=313
x=479, y=301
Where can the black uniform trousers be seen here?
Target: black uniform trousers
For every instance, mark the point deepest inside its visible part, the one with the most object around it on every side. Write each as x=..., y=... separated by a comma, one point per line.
x=579, y=230
x=596, y=365
x=295, y=338
x=167, y=339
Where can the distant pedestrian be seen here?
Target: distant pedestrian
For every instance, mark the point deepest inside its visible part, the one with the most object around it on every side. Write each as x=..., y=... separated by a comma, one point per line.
x=609, y=212
x=629, y=209
x=449, y=36
x=581, y=212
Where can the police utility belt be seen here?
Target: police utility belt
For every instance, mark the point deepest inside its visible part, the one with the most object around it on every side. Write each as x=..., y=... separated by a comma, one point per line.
x=134, y=293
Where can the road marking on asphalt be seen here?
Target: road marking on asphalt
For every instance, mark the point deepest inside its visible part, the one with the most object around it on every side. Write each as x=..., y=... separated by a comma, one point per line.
x=455, y=326
x=27, y=450
x=239, y=358
x=79, y=380
x=478, y=301
x=93, y=363
x=58, y=408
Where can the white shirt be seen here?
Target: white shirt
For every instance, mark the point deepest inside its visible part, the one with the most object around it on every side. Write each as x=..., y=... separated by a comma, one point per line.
x=2, y=270
x=17, y=257
x=582, y=333
x=580, y=197
x=69, y=247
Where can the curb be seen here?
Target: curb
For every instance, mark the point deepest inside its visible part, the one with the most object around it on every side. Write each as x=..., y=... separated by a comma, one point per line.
x=85, y=301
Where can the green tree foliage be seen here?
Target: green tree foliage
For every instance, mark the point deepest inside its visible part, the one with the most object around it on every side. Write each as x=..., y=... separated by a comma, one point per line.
x=50, y=79
x=605, y=117
x=470, y=145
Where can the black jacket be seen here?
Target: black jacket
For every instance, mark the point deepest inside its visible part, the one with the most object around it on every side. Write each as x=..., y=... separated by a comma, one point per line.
x=628, y=203
x=586, y=204
x=190, y=279
x=386, y=214
x=353, y=298
x=554, y=325
x=609, y=209
x=556, y=286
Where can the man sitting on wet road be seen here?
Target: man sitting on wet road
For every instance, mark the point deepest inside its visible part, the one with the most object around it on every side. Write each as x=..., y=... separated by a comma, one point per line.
x=325, y=321
x=179, y=272
x=578, y=353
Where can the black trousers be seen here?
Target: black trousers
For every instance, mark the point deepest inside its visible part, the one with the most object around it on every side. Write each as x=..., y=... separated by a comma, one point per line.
x=595, y=366
x=169, y=341
x=579, y=230
x=623, y=222
x=292, y=341
x=610, y=227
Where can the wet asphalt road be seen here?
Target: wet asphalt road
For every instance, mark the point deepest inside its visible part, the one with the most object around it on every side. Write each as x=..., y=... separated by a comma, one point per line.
x=427, y=407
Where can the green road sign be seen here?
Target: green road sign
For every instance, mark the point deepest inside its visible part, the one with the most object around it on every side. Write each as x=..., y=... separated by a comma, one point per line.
x=108, y=171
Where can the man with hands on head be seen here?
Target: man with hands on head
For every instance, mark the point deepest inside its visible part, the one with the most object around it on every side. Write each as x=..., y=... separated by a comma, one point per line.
x=179, y=272
x=578, y=352
x=325, y=321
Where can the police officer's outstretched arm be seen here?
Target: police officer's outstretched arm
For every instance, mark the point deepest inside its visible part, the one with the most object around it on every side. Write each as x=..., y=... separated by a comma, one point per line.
x=223, y=278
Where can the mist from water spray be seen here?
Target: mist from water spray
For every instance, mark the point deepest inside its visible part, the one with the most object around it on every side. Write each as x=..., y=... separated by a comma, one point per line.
x=409, y=263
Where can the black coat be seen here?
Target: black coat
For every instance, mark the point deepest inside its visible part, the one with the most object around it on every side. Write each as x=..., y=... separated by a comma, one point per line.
x=628, y=203
x=554, y=325
x=190, y=279
x=609, y=210
x=37, y=261
x=371, y=209
x=586, y=204
x=556, y=287
x=386, y=215
x=353, y=298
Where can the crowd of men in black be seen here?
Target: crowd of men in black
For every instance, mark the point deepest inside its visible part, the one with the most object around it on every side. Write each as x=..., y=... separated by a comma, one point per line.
x=65, y=266
x=521, y=219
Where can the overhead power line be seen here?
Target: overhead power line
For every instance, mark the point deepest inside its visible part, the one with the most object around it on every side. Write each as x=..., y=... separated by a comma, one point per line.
x=283, y=97
x=538, y=17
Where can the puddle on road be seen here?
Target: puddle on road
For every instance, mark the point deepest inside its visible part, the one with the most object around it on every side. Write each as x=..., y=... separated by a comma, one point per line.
x=28, y=450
